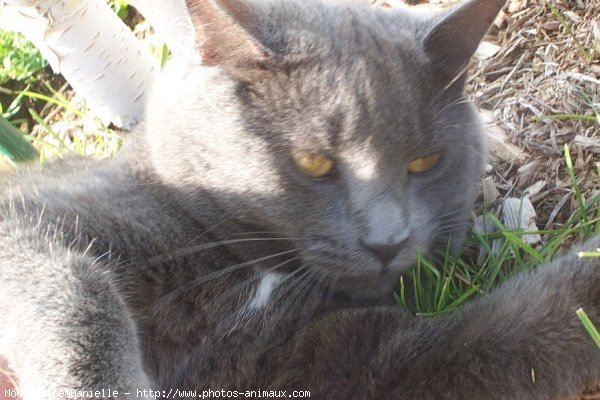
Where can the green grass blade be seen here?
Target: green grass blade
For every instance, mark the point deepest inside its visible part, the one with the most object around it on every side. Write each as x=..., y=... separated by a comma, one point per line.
x=519, y=243
x=589, y=254
x=466, y=295
x=589, y=326
x=444, y=295
x=63, y=146
x=164, y=55
x=14, y=145
x=416, y=278
x=590, y=102
x=567, y=27
x=15, y=106
x=401, y=298
x=582, y=117
x=578, y=196
x=59, y=102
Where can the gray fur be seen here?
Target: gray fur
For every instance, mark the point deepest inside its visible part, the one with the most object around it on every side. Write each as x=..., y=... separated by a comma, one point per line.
x=200, y=258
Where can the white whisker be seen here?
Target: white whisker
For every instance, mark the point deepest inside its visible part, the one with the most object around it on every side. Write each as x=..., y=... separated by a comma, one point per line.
x=219, y=273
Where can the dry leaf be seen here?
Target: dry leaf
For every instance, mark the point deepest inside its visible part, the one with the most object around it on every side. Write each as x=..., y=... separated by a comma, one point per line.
x=519, y=214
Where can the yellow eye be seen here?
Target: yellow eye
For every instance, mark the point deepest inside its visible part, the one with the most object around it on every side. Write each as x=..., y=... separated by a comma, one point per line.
x=314, y=165
x=425, y=164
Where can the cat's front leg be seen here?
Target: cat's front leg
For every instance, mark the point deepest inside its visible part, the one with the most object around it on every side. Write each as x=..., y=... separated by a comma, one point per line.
x=524, y=341
x=63, y=325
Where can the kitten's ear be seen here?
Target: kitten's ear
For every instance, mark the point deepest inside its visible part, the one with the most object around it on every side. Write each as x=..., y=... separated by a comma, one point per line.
x=454, y=38
x=227, y=33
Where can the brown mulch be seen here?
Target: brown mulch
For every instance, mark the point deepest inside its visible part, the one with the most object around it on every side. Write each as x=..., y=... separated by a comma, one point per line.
x=540, y=71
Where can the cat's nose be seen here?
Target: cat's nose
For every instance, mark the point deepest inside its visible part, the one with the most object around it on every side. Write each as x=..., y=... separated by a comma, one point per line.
x=383, y=252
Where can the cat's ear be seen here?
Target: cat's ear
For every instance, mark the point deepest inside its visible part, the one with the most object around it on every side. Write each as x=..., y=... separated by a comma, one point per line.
x=227, y=32
x=455, y=35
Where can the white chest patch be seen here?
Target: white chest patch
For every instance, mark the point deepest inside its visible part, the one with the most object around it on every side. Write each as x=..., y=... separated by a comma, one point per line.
x=266, y=286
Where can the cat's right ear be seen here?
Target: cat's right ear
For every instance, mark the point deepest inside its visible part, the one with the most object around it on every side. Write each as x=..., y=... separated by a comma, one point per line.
x=227, y=33
x=455, y=34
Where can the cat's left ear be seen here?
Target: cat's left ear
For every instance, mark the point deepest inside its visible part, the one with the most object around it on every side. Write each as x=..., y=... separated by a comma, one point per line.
x=456, y=33
x=227, y=33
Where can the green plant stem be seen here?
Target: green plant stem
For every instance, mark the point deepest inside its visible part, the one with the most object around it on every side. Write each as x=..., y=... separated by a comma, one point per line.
x=589, y=254
x=565, y=116
x=578, y=196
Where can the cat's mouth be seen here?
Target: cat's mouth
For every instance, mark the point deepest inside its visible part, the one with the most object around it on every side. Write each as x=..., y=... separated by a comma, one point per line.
x=357, y=272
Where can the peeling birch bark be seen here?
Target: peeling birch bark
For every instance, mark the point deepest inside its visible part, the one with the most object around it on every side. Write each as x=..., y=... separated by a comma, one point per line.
x=171, y=22
x=92, y=48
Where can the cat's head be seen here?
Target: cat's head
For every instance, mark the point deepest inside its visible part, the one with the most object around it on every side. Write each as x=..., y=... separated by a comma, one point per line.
x=340, y=124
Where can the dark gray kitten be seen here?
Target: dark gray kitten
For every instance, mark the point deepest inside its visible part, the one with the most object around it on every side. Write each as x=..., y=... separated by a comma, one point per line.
x=250, y=236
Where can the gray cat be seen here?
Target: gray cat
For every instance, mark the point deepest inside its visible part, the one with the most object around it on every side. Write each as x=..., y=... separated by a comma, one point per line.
x=250, y=235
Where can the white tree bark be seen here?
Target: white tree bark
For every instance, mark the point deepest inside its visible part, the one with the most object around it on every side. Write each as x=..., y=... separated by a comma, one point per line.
x=92, y=48
x=171, y=21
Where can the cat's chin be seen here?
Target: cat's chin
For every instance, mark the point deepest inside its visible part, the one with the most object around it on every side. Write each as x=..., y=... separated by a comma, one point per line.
x=369, y=288
x=366, y=279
